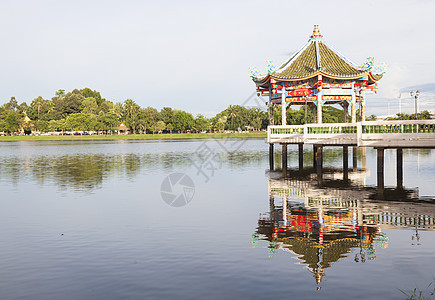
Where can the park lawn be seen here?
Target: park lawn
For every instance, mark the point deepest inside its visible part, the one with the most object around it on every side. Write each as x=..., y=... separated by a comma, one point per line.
x=256, y=134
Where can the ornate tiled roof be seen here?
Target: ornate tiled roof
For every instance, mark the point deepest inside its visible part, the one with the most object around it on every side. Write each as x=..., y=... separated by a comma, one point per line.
x=316, y=58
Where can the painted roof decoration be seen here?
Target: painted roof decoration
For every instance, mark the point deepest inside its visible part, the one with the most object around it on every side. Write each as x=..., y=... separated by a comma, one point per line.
x=315, y=58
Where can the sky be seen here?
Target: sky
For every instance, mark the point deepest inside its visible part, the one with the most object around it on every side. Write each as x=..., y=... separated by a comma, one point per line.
x=196, y=55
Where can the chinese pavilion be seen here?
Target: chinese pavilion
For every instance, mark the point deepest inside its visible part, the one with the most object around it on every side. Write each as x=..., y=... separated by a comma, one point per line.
x=317, y=75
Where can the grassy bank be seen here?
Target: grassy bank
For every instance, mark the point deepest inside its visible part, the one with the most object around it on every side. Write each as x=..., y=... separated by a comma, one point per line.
x=260, y=134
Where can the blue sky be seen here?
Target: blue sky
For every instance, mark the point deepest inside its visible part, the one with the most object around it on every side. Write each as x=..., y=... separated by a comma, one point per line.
x=195, y=55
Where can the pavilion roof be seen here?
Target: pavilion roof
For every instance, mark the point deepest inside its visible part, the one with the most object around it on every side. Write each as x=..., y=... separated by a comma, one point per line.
x=123, y=127
x=315, y=58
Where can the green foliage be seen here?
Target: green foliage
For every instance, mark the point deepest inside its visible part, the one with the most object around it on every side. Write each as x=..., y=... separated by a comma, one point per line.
x=131, y=114
x=201, y=123
x=89, y=106
x=12, y=105
x=166, y=114
x=88, y=93
x=11, y=122
x=149, y=118
x=169, y=127
x=160, y=126
x=81, y=122
x=43, y=126
x=418, y=294
x=371, y=118
x=423, y=115
x=183, y=121
x=70, y=104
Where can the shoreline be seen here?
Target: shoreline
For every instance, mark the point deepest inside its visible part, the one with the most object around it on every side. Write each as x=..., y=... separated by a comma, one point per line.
x=173, y=136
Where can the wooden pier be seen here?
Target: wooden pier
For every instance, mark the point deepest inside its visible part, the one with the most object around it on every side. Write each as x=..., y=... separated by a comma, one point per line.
x=380, y=135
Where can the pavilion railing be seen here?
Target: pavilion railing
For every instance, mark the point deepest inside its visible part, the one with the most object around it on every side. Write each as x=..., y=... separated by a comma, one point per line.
x=396, y=133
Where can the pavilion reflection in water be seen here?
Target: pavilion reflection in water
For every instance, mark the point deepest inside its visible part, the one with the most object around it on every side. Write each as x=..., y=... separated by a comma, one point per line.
x=322, y=224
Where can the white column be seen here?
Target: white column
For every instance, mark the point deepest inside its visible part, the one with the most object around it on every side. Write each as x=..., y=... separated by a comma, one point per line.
x=283, y=107
x=363, y=105
x=319, y=99
x=353, y=104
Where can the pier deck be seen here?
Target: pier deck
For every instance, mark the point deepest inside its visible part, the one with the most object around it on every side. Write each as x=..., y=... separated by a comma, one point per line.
x=378, y=134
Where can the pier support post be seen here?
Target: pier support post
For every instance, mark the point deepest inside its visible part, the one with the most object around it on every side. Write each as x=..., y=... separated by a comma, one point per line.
x=271, y=162
x=284, y=160
x=272, y=206
x=314, y=156
x=355, y=158
x=380, y=172
x=301, y=156
x=364, y=158
x=345, y=163
x=319, y=164
x=399, y=168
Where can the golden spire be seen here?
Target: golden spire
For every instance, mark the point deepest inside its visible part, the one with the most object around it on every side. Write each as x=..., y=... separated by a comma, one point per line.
x=316, y=32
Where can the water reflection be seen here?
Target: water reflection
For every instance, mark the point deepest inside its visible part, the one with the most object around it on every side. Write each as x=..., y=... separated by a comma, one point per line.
x=322, y=224
x=88, y=171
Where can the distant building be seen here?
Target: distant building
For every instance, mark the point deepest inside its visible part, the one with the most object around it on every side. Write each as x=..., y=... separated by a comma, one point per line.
x=122, y=129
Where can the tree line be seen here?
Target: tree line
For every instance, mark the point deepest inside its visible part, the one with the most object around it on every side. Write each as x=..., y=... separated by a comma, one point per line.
x=87, y=110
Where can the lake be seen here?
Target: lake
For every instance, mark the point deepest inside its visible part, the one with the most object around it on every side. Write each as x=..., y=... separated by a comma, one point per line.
x=206, y=219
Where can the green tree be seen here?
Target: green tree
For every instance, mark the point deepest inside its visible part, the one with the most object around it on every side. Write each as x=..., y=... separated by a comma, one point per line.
x=183, y=121
x=12, y=105
x=169, y=127
x=78, y=121
x=11, y=122
x=89, y=106
x=42, y=125
x=149, y=118
x=201, y=123
x=131, y=114
x=160, y=126
x=166, y=114
x=371, y=118
x=70, y=104
x=88, y=93
x=109, y=121
x=37, y=103
x=53, y=125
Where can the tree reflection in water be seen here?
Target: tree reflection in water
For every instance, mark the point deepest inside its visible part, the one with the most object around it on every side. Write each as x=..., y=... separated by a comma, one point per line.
x=86, y=172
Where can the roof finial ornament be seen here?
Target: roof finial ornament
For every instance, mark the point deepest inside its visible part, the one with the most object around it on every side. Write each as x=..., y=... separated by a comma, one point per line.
x=316, y=33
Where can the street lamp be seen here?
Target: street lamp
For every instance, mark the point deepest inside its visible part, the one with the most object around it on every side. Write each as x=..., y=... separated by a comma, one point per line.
x=400, y=102
x=415, y=95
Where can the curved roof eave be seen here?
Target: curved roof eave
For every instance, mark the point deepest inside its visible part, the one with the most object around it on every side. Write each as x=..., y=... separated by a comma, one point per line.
x=375, y=77
x=261, y=81
x=323, y=74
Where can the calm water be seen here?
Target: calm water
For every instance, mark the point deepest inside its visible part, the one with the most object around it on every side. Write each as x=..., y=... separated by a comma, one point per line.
x=88, y=220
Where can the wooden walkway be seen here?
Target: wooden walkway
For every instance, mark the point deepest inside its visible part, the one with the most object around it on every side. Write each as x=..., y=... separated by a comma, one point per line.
x=378, y=134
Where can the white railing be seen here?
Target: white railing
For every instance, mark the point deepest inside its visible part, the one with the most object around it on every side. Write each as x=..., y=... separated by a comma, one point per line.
x=416, y=133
